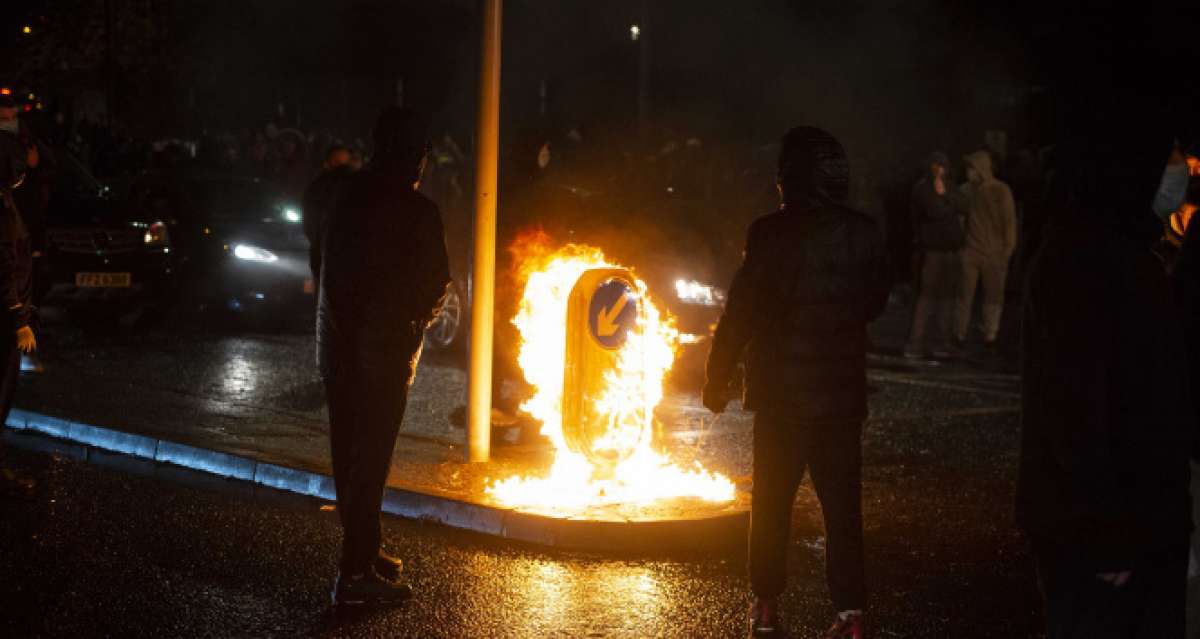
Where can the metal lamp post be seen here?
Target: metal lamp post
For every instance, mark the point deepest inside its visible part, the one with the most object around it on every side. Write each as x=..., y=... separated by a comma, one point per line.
x=483, y=283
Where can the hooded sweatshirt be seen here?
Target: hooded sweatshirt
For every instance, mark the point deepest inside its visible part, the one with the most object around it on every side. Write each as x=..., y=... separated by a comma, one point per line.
x=1106, y=423
x=815, y=273
x=991, y=213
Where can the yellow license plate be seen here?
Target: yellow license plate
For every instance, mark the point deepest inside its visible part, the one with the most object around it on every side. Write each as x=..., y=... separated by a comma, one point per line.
x=103, y=280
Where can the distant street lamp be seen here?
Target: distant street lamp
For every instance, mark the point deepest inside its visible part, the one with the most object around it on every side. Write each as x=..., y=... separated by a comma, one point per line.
x=635, y=32
x=26, y=30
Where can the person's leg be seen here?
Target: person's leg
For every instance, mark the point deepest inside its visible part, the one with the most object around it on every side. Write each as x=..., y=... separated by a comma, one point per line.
x=345, y=420
x=944, y=278
x=965, y=300
x=923, y=308
x=1162, y=586
x=835, y=454
x=995, y=274
x=385, y=397
x=1079, y=605
x=10, y=373
x=778, y=469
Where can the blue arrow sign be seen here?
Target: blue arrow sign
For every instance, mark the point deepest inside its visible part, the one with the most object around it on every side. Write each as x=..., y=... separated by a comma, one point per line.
x=612, y=313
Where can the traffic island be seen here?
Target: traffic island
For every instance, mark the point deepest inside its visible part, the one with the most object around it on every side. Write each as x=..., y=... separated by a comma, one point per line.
x=427, y=485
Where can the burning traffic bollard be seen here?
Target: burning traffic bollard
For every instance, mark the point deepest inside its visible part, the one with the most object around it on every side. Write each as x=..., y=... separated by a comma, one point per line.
x=596, y=350
x=602, y=312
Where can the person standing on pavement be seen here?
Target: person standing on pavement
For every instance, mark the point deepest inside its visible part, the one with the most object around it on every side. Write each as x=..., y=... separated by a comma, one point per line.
x=1106, y=427
x=383, y=278
x=938, y=238
x=990, y=241
x=16, y=289
x=814, y=274
x=32, y=200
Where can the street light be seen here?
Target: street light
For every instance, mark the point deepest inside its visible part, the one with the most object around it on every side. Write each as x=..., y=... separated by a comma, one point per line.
x=26, y=30
x=483, y=280
x=635, y=32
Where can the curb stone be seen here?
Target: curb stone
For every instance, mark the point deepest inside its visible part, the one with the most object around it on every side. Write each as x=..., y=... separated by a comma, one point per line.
x=724, y=531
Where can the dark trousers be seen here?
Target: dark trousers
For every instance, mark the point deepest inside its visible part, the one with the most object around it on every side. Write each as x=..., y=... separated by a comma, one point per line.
x=365, y=411
x=832, y=453
x=10, y=374
x=1080, y=605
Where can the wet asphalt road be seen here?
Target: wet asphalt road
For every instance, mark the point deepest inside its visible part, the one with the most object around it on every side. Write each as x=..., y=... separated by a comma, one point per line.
x=103, y=552
x=98, y=552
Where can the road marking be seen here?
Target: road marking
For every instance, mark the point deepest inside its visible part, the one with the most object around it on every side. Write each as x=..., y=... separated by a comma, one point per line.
x=900, y=379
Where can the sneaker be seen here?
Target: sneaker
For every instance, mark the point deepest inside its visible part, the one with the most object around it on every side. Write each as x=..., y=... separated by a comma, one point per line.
x=765, y=620
x=369, y=589
x=388, y=567
x=848, y=627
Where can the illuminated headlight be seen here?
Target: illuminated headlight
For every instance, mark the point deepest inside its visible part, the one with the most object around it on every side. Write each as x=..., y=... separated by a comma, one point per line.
x=693, y=292
x=253, y=253
x=292, y=215
x=155, y=235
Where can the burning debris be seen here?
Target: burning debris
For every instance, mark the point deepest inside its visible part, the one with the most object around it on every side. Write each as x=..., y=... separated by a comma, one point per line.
x=604, y=453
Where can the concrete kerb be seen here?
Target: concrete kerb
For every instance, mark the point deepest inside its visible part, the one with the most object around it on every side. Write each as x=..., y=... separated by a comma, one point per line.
x=725, y=531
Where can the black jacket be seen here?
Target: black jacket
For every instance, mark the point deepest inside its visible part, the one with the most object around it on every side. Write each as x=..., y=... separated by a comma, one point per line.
x=384, y=274
x=319, y=199
x=937, y=225
x=1106, y=429
x=16, y=266
x=1186, y=282
x=814, y=274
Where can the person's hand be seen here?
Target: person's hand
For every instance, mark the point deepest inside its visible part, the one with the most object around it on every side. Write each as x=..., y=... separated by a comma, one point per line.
x=715, y=397
x=31, y=157
x=26, y=343
x=939, y=186
x=1116, y=579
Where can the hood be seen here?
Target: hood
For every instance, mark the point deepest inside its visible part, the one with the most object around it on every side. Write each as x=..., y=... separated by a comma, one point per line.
x=1110, y=167
x=813, y=169
x=937, y=157
x=981, y=161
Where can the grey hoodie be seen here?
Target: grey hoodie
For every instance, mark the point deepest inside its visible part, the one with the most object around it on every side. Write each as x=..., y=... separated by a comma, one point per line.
x=991, y=213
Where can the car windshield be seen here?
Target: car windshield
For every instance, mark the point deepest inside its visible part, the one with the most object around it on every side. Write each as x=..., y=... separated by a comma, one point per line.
x=231, y=199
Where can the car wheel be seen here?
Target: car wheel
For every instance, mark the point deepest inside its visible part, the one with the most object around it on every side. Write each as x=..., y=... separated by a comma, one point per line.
x=444, y=331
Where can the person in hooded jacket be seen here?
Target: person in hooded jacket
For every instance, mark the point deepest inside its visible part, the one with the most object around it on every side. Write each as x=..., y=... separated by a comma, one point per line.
x=938, y=238
x=1106, y=426
x=990, y=242
x=383, y=278
x=16, y=289
x=814, y=274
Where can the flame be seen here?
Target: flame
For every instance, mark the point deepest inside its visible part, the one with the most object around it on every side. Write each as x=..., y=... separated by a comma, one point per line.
x=632, y=390
x=1181, y=218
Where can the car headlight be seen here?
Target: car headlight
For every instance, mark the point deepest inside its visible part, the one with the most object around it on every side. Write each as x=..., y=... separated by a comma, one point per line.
x=253, y=253
x=292, y=215
x=693, y=292
x=156, y=235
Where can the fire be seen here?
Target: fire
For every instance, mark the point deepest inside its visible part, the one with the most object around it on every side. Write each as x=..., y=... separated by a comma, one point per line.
x=638, y=473
x=1181, y=218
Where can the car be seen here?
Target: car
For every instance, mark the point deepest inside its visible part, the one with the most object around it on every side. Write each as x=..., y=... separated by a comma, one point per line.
x=189, y=238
